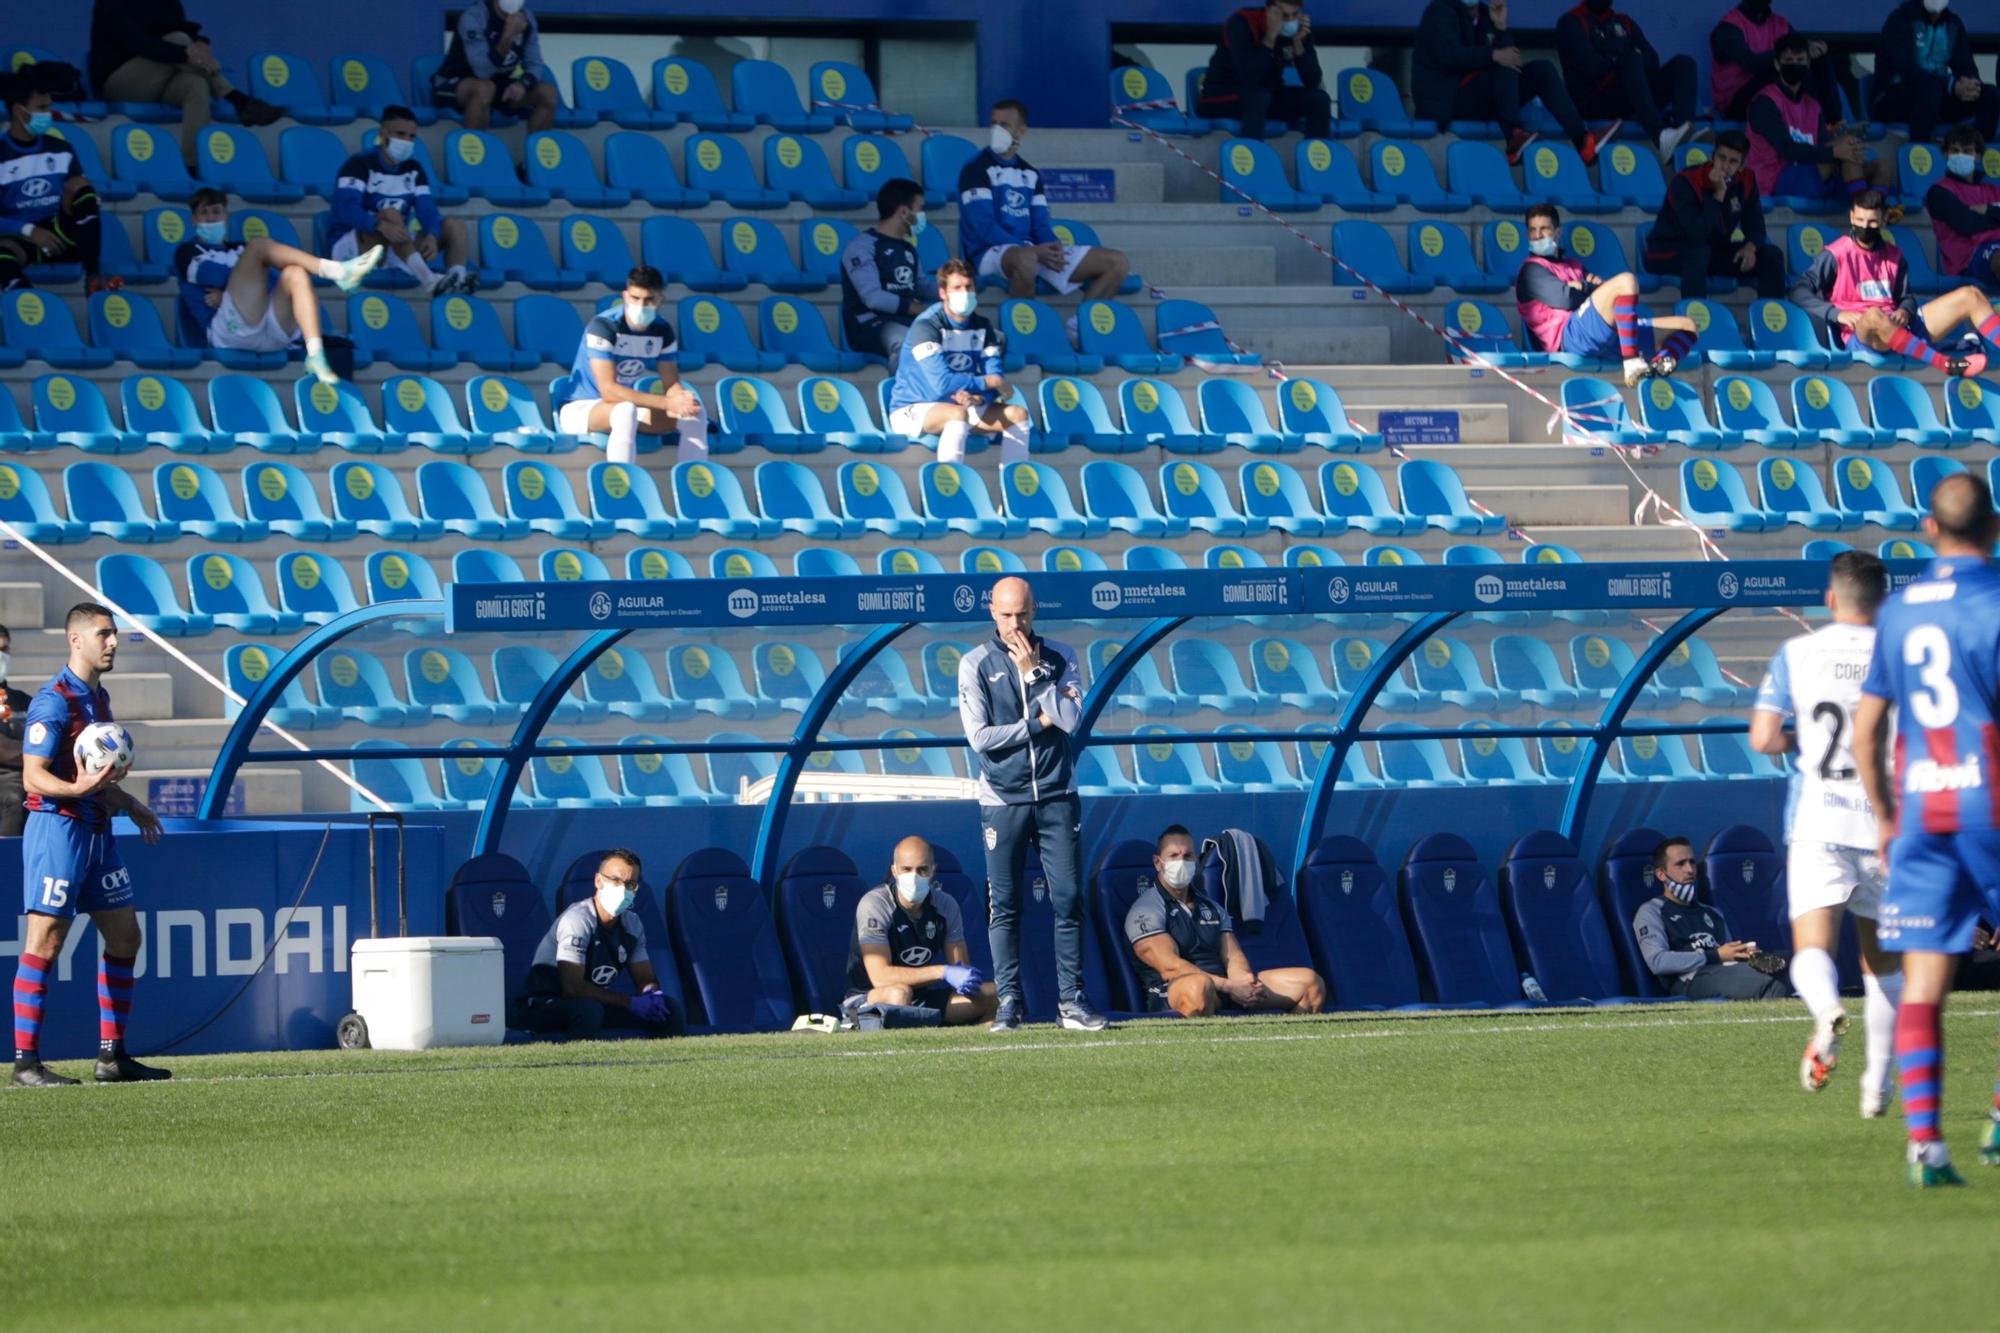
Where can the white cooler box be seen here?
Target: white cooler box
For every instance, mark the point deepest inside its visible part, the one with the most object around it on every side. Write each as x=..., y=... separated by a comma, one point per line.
x=428, y=990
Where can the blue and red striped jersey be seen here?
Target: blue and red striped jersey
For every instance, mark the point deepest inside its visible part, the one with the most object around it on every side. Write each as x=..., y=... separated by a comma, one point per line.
x=57, y=715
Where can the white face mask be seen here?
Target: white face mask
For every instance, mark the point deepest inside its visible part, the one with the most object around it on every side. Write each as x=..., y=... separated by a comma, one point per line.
x=615, y=901
x=913, y=888
x=399, y=150
x=640, y=316
x=511, y=7
x=1177, y=874
x=1961, y=164
x=1000, y=140
x=3, y=666
x=1545, y=248
x=1935, y=6
x=961, y=303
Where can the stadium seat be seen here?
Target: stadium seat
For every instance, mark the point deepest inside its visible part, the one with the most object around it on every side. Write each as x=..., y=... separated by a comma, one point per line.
x=150, y=161
x=1252, y=168
x=1352, y=496
x=287, y=81
x=1110, y=330
x=1327, y=174
x=520, y=672
x=312, y=586
x=719, y=165
x=1349, y=912
x=1602, y=664
x=1415, y=762
x=626, y=497
x=1602, y=254
x=957, y=495
x=421, y=412
x=757, y=250
x=103, y=498
x=129, y=328
x=231, y=159
x=336, y=415
x=710, y=496
x=1924, y=280
x=1036, y=337
x=1457, y=926
x=1365, y=251
x=539, y=495
x=108, y=185
x=1206, y=674
x=1287, y=671
x=793, y=329
x=885, y=685
x=1673, y=409
x=478, y=565
x=788, y=675
x=712, y=330
x=1786, y=332
x=1171, y=768
x=818, y=892
x=727, y=940
x=1117, y=494
x=1501, y=760
x=1155, y=414
x=657, y=563
x=1625, y=883
x=1276, y=493
x=1747, y=410
x=799, y=169
x=399, y=779
x=548, y=327
x=1692, y=672
x=791, y=496
x=1480, y=172
x=479, y=162
x=751, y=412
x=1144, y=97
x=401, y=576
x=1712, y=494
x=1631, y=176
x=1433, y=493
x=1729, y=756
x=1722, y=344
x=26, y=504
x=1902, y=408
x=1746, y=883
x=506, y=412
x=1525, y=665
x=310, y=159
x=1370, y=100
x=1195, y=493
x=159, y=410
x=33, y=322
x=1903, y=548
x=1447, y=669
x=1311, y=411
x=1233, y=411
x=1972, y=410
x=605, y=89
x=1870, y=490
x=870, y=161
x=943, y=158
x=1824, y=409
x=1248, y=765
x=1793, y=494
x=595, y=248
x=245, y=666
x=369, y=496
x=640, y=164
x=355, y=682
x=1142, y=689
x=1036, y=493
x=1553, y=910
x=707, y=677
x=835, y=411
x=559, y=164
x=1353, y=656
x=194, y=500
x=904, y=561
x=513, y=249
x=1555, y=174
x=571, y=564
x=739, y=562
x=1074, y=413
x=444, y=683
x=1441, y=252
x=1403, y=170
x=875, y=498
x=1926, y=471
x=571, y=782
x=382, y=328
x=764, y=90
x=455, y=495
x=468, y=328
x=140, y=586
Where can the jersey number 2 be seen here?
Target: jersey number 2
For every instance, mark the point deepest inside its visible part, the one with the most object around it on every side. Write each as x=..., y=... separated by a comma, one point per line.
x=1835, y=719
x=1935, y=706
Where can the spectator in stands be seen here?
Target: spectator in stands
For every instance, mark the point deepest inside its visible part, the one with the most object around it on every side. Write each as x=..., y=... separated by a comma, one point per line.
x=1565, y=308
x=1019, y=700
x=619, y=349
x=1188, y=957
x=949, y=379
x=1859, y=286
x=48, y=208
x=1711, y=224
x=1613, y=71
x=149, y=51
x=13, y=725
x=1246, y=75
x=1686, y=943
x=257, y=296
x=1004, y=227
x=1743, y=51
x=1467, y=67
x=879, y=273
x=1964, y=206
x=1795, y=149
x=379, y=192
x=1924, y=73
x=567, y=993
x=495, y=59
x=908, y=949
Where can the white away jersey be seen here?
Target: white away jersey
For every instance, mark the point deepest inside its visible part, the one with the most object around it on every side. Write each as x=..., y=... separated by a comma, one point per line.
x=1815, y=680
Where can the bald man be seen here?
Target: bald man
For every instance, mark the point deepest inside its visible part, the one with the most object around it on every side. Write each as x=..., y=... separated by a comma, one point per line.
x=1020, y=700
x=907, y=956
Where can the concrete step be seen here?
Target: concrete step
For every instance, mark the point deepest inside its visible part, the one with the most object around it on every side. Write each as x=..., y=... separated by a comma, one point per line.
x=1555, y=506
x=267, y=789
x=22, y=603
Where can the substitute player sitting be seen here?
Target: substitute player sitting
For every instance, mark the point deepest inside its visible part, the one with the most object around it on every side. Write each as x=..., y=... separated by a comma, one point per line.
x=567, y=989
x=1806, y=706
x=949, y=376
x=1859, y=286
x=620, y=348
x=69, y=862
x=1937, y=667
x=908, y=948
x=1686, y=943
x=1185, y=945
x=1566, y=308
x=257, y=295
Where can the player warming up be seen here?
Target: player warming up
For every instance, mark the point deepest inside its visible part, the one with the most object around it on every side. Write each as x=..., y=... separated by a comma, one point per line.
x=70, y=863
x=1937, y=653
x=1807, y=704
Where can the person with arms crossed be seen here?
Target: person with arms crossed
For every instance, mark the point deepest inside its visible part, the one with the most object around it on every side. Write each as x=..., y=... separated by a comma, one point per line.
x=1964, y=205
x=69, y=862
x=950, y=379
x=1246, y=74
x=1566, y=308
x=1859, y=287
x=1806, y=706
x=908, y=950
x=1926, y=73
x=1711, y=224
x=1686, y=943
x=1004, y=228
x=1019, y=700
x=566, y=991
x=377, y=194
x=493, y=59
x=1186, y=949
x=1936, y=669
x=620, y=348
x=880, y=273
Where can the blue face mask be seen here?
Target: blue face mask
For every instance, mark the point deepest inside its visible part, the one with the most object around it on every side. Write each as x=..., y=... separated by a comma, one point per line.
x=641, y=316
x=399, y=150
x=41, y=123
x=1543, y=248
x=1289, y=29
x=1961, y=164
x=211, y=233
x=919, y=225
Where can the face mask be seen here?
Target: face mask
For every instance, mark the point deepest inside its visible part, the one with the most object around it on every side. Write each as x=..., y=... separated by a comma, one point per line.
x=913, y=888
x=999, y=140
x=1935, y=6
x=1961, y=164
x=919, y=225
x=961, y=303
x=1792, y=76
x=1866, y=237
x=616, y=901
x=41, y=123
x=1289, y=29
x=3, y=666
x=399, y=150
x=639, y=316
x=1177, y=875
x=511, y=7
x=1680, y=893
x=1544, y=248
x=210, y=233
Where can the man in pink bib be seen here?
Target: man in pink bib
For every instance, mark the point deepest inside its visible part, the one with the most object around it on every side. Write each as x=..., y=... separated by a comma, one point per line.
x=1859, y=286
x=1964, y=206
x=1796, y=152
x=1565, y=308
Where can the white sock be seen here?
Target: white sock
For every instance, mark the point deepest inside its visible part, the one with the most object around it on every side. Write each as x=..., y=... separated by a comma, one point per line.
x=1817, y=981
x=1878, y=1016
x=418, y=269
x=315, y=347
x=694, y=438
x=457, y=271
x=951, y=442
x=1014, y=445
x=331, y=269
x=624, y=443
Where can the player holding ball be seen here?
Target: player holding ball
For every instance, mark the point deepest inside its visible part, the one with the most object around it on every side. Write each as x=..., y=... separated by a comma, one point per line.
x=71, y=760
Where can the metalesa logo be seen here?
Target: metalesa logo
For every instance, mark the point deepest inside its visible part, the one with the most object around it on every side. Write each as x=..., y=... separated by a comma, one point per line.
x=742, y=603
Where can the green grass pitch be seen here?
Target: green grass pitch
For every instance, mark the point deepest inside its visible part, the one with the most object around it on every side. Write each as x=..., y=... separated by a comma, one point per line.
x=1634, y=1168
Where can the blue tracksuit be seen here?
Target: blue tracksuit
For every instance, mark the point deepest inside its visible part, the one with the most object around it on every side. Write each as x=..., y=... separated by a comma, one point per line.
x=942, y=355
x=1000, y=202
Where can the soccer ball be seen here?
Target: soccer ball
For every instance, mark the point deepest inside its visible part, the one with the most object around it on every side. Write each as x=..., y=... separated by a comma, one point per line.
x=103, y=744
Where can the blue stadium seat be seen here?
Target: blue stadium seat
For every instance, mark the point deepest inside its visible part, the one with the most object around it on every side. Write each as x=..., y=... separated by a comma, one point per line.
x=1674, y=409
x=1926, y=471
x=493, y=895
x=194, y=499
x=519, y=672
x=798, y=168
x=1552, y=907
x=130, y=328
x=1501, y=760
x=539, y=495
x=1902, y=407
x=369, y=496
x=1074, y=413
x=1746, y=882
x=1366, y=249
x=141, y=586
x=148, y=160
x=1153, y=558
x=712, y=330
x=627, y=497
x=1207, y=673
x=1692, y=672
x=1712, y=494
x=506, y=412
x=1746, y=409
x=1417, y=762
x=571, y=564
x=1404, y=171
x=875, y=498
x=1871, y=490
x=1824, y=409
x=904, y=561
x=1786, y=332
x=382, y=328
x=1654, y=758
x=1480, y=172
x=104, y=499
x=1525, y=665
x=788, y=675
x=653, y=562
x=401, y=576
x=660, y=779
x=1253, y=168
x=1254, y=766
x=1370, y=100
x=886, y=686
x=1036, y=337
x=513, y=249
x=336, y=415
x=846, y=93
x=1171, y=768
x=310, y=158
x=1602, y=663
x=710, y=495
x=943, y=158
x=30, y=321
x=468, y=779
x=1457, y=926
x=1233, y=411
x=1447, y=669
x=1625, y=883
x=401, y=780
x=818, y=892
x=1037, y=493
x=1110, y=330
x=757, y=250
x=794, y=330
x=108, y=186
x=245, y=666
x=870, y=161
x=1352, y=656
x=228, y=590
x=1287, y=671
x=468, y=328
x=719, y=165
x=1327, y=174
x=1355, y=771
x=1143, y=688
x=547, y=327
x=1602, y=254
x=707, y=677
x=1155, y=414
x=159, y=410
x=1555, y=174
x=1352, y=496
x=571, y=782
x=231, y=159
x=1440, y=251
x=355, y=682
x=1432, y=492
x=835, y=411
x=914, y=761
x=420, y=411
x=1725, y=755
x=727, y=940
x=791, y=496
x=957, y=494
x=1631, y=175
x=561, y=165
x=1350, y=915
x=752, y=412
x=479, y=565
x=26, y=504
x=595, y=248
x=479, y=162
x=605, y=89
x=1144, y=97
x=1924, y=278
x=454, y=495
x=1275, y=492
x=1722, y=344
x=1793, y=493
x=1478, y=327
x=1312, y=411
x=288, y=81
x=1902, y=548
x=821, y=243
x=640, y=163
x=764, y=90
x=1972, y=410
x=312, y=586
x=1117, y=494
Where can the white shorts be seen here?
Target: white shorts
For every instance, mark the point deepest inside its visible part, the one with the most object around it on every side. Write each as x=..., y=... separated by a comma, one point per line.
x=908, y=420
x=228, y=331
x=1818, y=874
x=1062, y=279
x=349, y=246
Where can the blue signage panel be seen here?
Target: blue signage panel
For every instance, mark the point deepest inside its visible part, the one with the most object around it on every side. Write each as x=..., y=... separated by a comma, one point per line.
x=1080, y=185
x=1418, y=427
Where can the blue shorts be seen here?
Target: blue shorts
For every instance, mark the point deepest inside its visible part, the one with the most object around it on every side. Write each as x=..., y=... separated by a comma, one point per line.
x=1940, y=884
x=1979, y=268
x=67, y=868
x=1587, y=335
x=1801, y=180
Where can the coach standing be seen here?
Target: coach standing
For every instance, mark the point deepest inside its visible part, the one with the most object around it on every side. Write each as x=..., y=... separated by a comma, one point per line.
x=1019, y=700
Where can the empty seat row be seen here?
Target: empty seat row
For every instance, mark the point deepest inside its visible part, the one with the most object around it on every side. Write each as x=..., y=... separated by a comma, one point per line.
x=1790, y=494
x=1477, y=175
x=1822, y=410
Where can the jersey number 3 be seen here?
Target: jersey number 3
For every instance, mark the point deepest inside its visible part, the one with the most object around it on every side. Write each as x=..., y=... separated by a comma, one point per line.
x=1936, y=704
